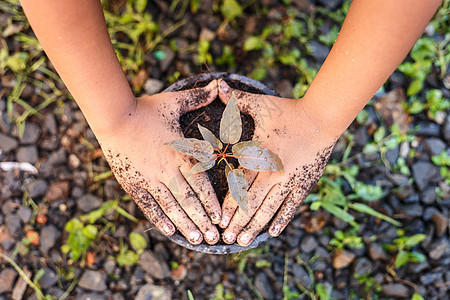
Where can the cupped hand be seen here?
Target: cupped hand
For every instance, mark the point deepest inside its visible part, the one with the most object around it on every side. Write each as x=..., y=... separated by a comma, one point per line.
x=154, y=175
x=304, y=149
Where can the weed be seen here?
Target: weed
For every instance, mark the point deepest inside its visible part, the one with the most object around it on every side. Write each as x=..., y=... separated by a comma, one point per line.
x=443, y=160
x=402, y=246
x=128, y=257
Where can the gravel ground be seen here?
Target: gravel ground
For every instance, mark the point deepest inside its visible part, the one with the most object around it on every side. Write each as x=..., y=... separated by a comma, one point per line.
x=72, y=178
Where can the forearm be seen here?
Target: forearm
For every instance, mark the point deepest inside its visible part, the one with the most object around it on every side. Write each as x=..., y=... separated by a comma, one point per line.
x=74, y=36
x=374, y=39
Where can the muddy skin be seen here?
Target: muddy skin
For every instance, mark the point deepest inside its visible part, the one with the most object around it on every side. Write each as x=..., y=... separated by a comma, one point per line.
x=133, y=184
x=299, y=186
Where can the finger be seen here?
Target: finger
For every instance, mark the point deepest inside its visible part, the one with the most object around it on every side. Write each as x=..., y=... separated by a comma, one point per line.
x=175, y=213
x=263, y=215
x=256, y=195
x=188, y=200
x=287, y=211
x=193, y=99
x=229, y=205
x=205, y=192
x=152, y=210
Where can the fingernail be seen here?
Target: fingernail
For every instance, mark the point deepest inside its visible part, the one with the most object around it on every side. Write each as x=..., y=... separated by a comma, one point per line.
x=210, y=236
x=168, y=229
x=215, y=217
x=224, y=222
x=276, y=230
x=224, y=86
x=194, y=236
x=245, y=238
x=229, y=237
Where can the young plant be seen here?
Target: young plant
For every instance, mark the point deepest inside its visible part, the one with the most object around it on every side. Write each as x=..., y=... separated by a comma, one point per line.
x=248, y=153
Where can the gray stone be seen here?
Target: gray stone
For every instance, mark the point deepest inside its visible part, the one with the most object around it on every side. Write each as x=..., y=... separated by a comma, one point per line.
x=153, y=292
x=413, y=210
x=284, y=88
x=7, y=143
x=414, y=198
x=88, y=202
x=263, y=286
x=109, y=266
x=441, y=223
x=308, y=244
x=428, y=129
x=49, y=235
x=31, y=133
x=429, y=278
x=7, y=277
x=429, y=213
x=363, y=266
x=37, y=188
x=392, y=155
x=93, y=281
x=428, y=196
x=331, y=4
x=361, y=137
x=434, y=146
x=446, y=129
x=49, y=278
x=416, y=268
x=301, y=276
x=50, y=124
x=153, y=265
x=167, y=60
x=423, y=172
x=439, y=248
x=27, y=154
x=14, y=226
x=153, y=86
x=92, y=296
x=24, y=213
x=395, y=290
x=399, y=179
x=318, y=50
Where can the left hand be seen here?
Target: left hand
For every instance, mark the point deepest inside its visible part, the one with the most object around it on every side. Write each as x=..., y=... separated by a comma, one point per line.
x=285, y=128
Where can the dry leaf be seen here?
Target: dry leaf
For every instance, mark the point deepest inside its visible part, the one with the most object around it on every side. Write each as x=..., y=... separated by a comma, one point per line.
x=231, y=123
x=210, y=137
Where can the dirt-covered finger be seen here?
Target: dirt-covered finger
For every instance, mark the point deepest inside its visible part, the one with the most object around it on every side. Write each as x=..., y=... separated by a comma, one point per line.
x=151, y=210
x=175, y=213
x=190, y=203
x=205, y=192
x=256, y=194
x=196, y=98
x=287, y=211
x=263, y=215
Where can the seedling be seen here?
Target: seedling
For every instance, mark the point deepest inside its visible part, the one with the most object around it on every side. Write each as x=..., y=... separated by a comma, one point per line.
x=249, y=153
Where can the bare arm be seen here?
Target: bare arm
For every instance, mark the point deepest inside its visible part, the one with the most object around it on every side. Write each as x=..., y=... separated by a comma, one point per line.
x=75, y=38
x=374, y=39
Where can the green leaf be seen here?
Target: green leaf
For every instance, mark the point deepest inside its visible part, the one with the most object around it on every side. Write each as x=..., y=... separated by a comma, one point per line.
x=363, y=208
x=210, y=137
x=90, y=231
x=238, y=188
x=258, y=159
x=401, y=259
x=414, y=240
x=140, y=5
x=231, y=123
x=315, y=205
x=201, y=150
x=231, y=9
x=201, y=167
x=370, y=149
x=379, y=134
x=253, y=43
x=416, y=296
x=417, y=257
x=337, y=211
x=368, y=192
x=415, y=87
x=238, y=147
x=137, y=241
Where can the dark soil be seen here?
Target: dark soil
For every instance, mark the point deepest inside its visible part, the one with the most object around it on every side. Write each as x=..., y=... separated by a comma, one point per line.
x=209, y=117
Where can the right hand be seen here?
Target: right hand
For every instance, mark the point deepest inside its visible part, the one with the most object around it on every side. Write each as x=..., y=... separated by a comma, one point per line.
x=154, y=174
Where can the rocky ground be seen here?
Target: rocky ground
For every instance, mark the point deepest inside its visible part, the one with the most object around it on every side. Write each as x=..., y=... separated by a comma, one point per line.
x=63, y=175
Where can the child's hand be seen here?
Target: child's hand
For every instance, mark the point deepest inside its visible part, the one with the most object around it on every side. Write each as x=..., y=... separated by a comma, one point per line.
x=152, y=173
x=287, y=131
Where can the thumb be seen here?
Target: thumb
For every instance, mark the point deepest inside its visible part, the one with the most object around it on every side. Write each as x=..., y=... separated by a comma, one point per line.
x=247, y=102
x=193, y=99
